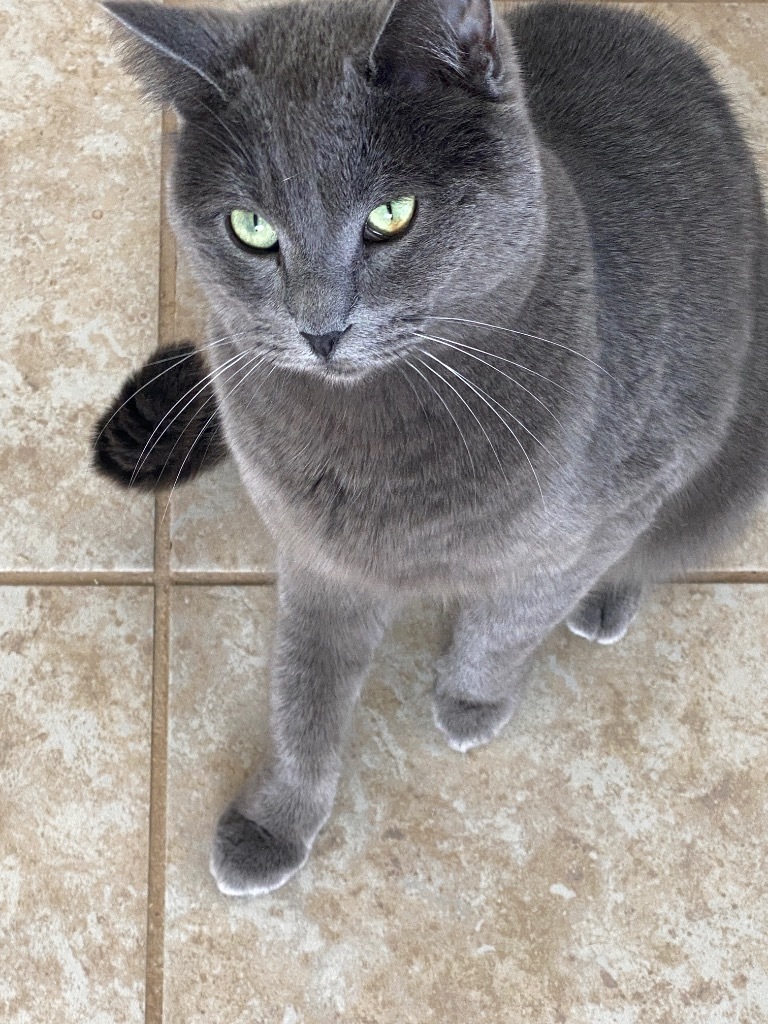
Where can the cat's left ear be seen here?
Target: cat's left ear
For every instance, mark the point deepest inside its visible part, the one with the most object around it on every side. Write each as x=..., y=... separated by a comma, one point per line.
x=175, y=53
x=448, y=40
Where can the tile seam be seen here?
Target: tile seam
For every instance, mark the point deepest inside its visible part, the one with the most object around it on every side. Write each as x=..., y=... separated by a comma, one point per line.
x=25, y=578
x=242, y=578
x=154, y=980
x=746, y=576
x=223, y=579
x=158, y=786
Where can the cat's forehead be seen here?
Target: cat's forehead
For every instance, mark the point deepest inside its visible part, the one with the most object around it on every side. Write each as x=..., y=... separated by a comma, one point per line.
x=299, y=52
x=301, y=146
x=302, y=112
x=298, y=88
x=305, y=128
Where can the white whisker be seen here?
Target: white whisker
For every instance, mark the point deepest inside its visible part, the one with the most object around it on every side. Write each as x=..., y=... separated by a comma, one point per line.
x=460, y=348
x=198, y=388
x=455, y=421
x=469, y=407
x=261, y=383
x=512, y=362
x=189, y=452
x=412, y=386
x=249, y=368
x=522, y=334
x=176, y=362
x=488, y=397
x=483, y=398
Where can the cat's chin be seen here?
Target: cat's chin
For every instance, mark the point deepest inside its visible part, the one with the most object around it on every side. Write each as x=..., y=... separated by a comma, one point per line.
x=339, y=376
x=344, y=378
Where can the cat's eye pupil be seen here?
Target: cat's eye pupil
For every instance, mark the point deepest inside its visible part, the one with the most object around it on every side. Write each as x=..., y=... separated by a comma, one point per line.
x=390, y=219
x=252, y=230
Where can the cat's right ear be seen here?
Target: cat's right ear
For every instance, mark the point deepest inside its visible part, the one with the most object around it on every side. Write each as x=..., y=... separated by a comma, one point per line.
x=448, y=40
x=176, y=54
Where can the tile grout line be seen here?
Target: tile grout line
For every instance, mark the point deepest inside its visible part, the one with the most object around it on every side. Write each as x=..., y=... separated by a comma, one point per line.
x=158, y=785
x=154, y=979
x=264, y=578
x=714, y=576
x=27, y=578
x=223, y=579
x=178, y=577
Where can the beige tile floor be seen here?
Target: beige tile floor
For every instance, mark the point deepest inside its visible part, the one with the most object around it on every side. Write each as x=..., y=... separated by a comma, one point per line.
x=603, y=862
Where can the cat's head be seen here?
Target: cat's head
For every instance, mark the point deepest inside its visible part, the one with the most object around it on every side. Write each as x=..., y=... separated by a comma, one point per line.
x=343, y=171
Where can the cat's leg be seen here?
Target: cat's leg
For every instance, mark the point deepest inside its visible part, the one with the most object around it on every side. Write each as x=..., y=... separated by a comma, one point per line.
x=481, y=676
x=607, y=611
x=326, y=635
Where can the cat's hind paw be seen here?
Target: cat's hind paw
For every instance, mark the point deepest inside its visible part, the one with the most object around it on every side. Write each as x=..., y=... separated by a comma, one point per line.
x=248, y=860
x=606, y=613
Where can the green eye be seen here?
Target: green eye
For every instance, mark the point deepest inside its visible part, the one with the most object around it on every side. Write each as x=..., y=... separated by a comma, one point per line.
x=390, y=219
x=253, y=230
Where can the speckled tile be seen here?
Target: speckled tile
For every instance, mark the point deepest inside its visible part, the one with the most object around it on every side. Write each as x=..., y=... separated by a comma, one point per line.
x=602, y=862
x=75, y=681
x=216, y=527
x=78, y=286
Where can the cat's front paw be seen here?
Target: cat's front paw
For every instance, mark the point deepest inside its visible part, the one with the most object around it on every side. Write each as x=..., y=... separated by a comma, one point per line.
x=249, y=860
x=466, y=723
x=606, y=613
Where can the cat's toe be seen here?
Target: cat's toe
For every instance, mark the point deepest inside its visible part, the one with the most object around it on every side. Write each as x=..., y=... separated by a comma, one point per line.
x=249, y=860
x=606, y=613
x=466, y=724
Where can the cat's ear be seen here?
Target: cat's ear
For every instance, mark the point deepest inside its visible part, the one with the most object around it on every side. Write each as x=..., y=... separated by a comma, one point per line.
x=175, y=53
x=451, y=40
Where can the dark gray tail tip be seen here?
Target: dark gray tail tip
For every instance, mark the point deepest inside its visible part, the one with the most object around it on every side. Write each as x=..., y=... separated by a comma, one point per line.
x=163, y=427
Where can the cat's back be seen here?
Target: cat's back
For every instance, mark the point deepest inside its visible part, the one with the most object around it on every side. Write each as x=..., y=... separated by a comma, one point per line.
x=672, y=203
x=666, y=180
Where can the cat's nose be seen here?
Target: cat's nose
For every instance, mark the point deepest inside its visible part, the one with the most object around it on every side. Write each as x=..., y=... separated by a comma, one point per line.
x=322, y=344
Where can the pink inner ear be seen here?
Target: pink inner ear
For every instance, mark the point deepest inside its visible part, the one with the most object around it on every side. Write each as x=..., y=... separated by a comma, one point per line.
x=472, y=21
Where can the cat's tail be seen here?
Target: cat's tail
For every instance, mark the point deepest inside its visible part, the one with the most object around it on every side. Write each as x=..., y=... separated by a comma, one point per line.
x=163, y=427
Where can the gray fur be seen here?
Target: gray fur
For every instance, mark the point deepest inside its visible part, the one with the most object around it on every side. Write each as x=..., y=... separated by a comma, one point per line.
x=583, y=186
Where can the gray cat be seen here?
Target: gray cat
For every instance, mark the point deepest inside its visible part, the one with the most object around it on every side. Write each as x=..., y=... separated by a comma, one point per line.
x=489, y=321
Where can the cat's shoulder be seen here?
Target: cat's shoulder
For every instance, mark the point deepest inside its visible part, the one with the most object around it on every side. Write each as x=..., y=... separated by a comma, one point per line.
x=592, y=32
x=592, y=69
x=596, y=46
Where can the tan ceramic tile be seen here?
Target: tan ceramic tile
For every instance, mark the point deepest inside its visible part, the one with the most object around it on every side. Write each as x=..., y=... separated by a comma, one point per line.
x=75, y=681
x=602, y=862
x=78, y=282
x=216, y=528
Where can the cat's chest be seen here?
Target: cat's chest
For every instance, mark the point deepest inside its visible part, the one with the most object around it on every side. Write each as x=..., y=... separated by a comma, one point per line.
x=396, y=516
x=343, y=496
x=383, y=491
